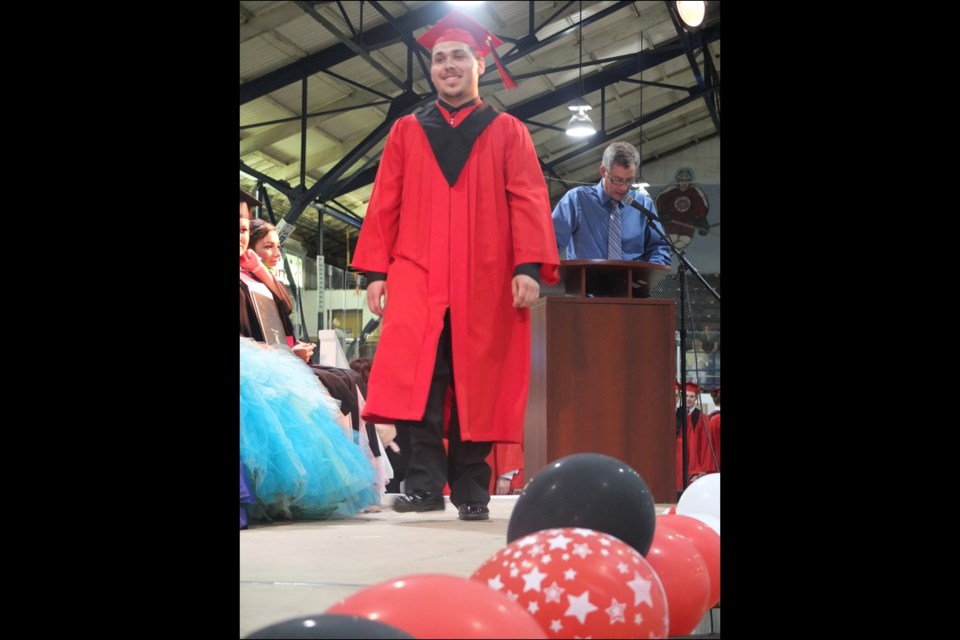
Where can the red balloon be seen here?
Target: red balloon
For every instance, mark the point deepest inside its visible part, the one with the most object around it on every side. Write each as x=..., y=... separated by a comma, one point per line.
x=580, y=583
x=684, y=576
x=441, y=606
x=707, y=542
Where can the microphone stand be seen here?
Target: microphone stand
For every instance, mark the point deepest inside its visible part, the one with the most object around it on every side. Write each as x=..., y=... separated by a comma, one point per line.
x=367, y=330
x=683, y=263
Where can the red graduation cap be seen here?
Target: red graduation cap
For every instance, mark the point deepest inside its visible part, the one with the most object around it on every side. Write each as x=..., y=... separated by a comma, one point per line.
x=676, y=386
x=691, y=387
x=459, y=27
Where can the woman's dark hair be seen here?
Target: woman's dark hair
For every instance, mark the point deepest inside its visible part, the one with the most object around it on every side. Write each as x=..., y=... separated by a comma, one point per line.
x=259, y=228
x=362, y=366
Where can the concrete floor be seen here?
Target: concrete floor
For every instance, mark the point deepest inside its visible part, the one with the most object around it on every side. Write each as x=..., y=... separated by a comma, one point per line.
x=291, y=569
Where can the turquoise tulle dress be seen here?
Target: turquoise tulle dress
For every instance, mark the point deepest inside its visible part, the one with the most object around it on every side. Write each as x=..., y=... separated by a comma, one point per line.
x=300, y=462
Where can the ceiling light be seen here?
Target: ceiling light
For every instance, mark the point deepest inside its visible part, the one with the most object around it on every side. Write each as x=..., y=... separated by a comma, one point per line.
x=691, y=13
x=580, y=126
x=579, y=105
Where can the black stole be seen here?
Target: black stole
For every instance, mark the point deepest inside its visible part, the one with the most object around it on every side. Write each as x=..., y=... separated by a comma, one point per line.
x=452, y=145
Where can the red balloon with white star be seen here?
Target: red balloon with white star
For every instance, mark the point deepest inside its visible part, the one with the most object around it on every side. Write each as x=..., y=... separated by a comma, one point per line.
x=580, y=583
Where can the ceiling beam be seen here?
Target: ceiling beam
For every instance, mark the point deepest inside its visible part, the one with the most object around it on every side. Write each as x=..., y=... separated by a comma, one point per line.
x=685, y=39
x=359, y=50
x=599, y=138
x=256, y=25
x=317, y=161
x=405, y=103
x=291, y=193
x=373, y=39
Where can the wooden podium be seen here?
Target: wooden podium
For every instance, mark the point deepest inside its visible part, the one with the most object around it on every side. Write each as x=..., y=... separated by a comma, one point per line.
x=602, y=372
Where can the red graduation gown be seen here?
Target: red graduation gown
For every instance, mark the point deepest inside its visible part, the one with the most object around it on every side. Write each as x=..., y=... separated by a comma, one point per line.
x=713, y=428
x=697, y=449
x=456, y=247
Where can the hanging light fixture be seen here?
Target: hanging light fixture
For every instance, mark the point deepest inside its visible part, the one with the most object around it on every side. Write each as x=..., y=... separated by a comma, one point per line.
x=691, y=13
x=580, y=125
x=641, y=185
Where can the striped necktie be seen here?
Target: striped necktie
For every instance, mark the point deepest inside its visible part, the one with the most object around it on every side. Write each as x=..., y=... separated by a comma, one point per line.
x=614, y=248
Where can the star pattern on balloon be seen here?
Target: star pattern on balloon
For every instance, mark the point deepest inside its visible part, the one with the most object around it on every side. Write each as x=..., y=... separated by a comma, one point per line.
x=641, y=589
x=553, y=592
x=615, y=611
x=532, y=580
x=559, y=542
x=580, y=606
x=580, y=583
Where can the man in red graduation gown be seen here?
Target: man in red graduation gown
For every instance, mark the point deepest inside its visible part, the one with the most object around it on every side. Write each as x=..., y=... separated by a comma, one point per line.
x=697, y=447
x=456, y=241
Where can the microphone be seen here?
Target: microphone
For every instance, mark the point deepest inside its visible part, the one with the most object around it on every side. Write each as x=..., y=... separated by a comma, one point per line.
x=651, y=216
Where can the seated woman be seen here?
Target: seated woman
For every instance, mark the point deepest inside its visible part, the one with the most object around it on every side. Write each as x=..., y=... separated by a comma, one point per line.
x=299, y=461
x=258, y=288
x=342, y=384
x=265, y=242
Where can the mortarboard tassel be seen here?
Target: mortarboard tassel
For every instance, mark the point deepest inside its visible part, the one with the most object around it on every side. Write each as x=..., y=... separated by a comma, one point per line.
x=508, y=80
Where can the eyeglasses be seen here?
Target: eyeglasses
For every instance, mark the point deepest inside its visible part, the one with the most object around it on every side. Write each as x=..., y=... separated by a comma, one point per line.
x=620, y=182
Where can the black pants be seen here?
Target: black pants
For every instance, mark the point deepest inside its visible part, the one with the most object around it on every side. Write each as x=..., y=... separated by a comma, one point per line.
x=428, y=466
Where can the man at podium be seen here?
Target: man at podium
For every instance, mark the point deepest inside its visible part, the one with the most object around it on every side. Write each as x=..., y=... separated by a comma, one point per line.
x=593, y=223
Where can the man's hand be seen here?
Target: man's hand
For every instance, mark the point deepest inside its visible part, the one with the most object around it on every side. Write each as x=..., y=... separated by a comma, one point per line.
x=503, y=487
x=526, y=290
x=376, y=291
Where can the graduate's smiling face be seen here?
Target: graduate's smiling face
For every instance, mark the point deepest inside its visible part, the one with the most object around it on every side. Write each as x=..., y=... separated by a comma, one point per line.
x=456, y=72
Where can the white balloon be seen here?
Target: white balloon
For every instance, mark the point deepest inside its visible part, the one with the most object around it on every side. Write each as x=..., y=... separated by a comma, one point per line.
x=710, y=521
x=703, y=496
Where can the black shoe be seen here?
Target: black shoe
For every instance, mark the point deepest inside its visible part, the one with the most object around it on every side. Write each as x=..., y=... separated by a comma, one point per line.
x=473, y=511
x=418, y=501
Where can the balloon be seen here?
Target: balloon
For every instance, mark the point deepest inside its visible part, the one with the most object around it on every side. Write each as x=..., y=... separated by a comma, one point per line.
x=703, y=496
x=684, y=576
x=590, y=491
x=328, y=626
x=707, y=542
x=580, y=583
x=441, y=606
x=710, y=521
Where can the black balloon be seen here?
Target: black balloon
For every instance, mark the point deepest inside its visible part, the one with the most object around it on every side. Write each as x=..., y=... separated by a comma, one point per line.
x=591, y=491
x=329, y=626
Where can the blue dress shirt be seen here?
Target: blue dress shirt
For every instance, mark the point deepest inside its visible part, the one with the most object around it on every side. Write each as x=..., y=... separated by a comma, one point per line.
x=580, y=223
